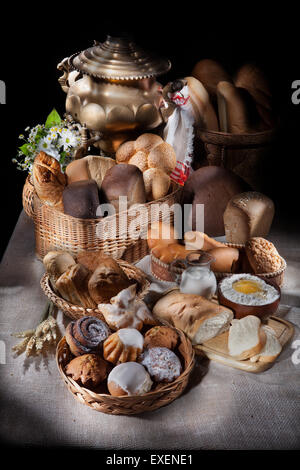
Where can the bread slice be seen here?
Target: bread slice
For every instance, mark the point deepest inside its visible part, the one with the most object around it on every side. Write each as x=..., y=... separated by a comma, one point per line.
x=271, y=349
x=246, y=337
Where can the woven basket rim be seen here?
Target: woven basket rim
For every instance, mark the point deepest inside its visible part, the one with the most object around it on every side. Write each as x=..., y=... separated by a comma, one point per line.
x=67, y=306
x=267, y=132
x=230, y=245
x=134, y=398
x=113, y=216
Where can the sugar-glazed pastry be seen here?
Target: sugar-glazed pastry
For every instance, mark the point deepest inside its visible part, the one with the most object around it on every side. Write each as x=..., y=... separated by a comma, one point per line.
x=86, y=335
x=89, y=370
x=162, y=364
x=126, y=311
x=161, y=336
x=123, y=346
x=129, y=378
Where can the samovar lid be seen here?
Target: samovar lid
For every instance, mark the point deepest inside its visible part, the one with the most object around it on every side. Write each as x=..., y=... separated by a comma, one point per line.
x=118, y=58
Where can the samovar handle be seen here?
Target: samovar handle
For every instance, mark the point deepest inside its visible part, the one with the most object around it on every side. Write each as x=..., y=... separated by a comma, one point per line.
x=65, y=68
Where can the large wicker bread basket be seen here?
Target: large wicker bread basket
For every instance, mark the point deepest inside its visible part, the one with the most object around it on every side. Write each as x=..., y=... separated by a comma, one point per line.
x=75, y=311
x=121, y=236
x=129, y=405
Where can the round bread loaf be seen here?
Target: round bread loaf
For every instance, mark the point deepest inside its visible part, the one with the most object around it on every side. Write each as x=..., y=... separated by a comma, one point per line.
x=212, y=186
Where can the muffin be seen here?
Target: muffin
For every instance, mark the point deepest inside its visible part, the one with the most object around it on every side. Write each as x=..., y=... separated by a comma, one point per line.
x=88, y=370
x=161, y=336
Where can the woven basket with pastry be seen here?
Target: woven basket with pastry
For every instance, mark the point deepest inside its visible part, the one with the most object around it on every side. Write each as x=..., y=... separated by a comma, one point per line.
x=124, y=371
x=78, y=285
x=100, y=203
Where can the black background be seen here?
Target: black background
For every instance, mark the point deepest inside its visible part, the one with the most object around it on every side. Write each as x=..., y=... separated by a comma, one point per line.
x=30, y=54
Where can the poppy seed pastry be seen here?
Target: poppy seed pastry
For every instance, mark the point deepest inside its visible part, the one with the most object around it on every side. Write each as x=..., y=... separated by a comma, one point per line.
x=161, y=336
x=212, y=186
x=162, y=364
x=129, y=378
x=123, y=346
x=86, y=335
x=89, y=370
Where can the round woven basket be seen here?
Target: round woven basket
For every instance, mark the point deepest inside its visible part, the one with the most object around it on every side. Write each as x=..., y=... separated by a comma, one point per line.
x=162, y=395
x=245, y=154
x=121, y=235
x=75, y=311
x=161, y=270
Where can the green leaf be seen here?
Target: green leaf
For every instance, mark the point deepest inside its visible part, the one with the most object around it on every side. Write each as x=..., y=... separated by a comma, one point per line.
x=53, y=119
x=24, y=149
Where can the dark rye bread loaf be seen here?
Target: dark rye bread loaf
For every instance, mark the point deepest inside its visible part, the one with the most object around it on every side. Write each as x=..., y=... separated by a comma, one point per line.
x=81, y=199
x=212, y=186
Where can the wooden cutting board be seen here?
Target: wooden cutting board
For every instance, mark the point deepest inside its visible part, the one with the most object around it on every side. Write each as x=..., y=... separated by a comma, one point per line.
x=216, y=349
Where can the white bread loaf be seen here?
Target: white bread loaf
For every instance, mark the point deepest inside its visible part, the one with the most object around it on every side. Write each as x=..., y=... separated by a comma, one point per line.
x=271, y=349
x=248, y=215
x=246, y=338
x=199, y=318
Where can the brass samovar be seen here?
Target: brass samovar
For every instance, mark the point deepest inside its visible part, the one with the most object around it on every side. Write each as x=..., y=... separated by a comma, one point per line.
x=112, y=91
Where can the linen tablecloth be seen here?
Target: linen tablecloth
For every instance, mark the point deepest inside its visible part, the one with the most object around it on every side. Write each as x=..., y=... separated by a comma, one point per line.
x=222, y=408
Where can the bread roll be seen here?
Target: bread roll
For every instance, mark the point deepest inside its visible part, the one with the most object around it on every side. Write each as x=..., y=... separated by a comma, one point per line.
x=124, y=180
x=48, y=180
x=248, y=215
x=162, y=156
x=262, y=255
x=210, y=73
x=140, y=159
x=200, y=241
x=199, y=318
x=161, y=233
x=203, y=109
x=237, y=110
x=81, y=199
x=246, y=337
x=57, y=262
x=212, y=186
x=225, y=259
x=147, y=142
x=169, y=253
x=107, y=280
x=125, y=152
x=73, y=286
x=157, y=183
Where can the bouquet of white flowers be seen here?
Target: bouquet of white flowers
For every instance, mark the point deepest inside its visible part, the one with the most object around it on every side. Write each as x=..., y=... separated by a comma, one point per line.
x=57, y=137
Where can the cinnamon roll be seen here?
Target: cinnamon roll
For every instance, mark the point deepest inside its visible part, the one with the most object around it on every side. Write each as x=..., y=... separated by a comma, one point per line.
x=86, y=335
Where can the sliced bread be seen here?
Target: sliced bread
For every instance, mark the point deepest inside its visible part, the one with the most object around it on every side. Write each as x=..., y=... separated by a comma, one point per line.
x=246, y=338
x=271, y=349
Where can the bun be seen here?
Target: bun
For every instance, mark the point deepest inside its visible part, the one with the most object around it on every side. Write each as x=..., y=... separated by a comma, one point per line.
x=170, y=253
x=226, y=259
x=210, y=73
x=123, y=346
x=73, y=286
x=147, y=142
x=161, y=233
x=162, y=156
x=200, y=241
x=126, y=311
x=162, y=364
x=246, y=337
x=129, y=378
x=124, y=180
x=107, y=280
x=48, y=180
x=157, y=183
x=56, y=263
x=89, y=370
x=199, y=318
x=140, y=159
x=262, y=255
x=161, y=336
x=203, y=109
x=125, y=152
x=247, y=215
x=86, y=335
x=81, y=199
x=212, y=186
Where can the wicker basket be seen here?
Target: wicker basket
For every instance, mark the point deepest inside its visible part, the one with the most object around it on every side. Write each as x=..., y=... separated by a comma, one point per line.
x=55, y=230
x=75, y=311
x=161, y=271
x=244, y=154
x=129, y=405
